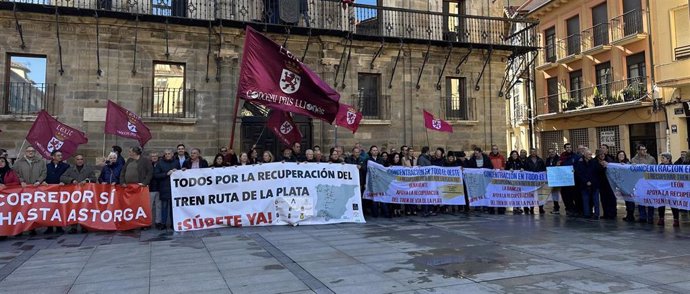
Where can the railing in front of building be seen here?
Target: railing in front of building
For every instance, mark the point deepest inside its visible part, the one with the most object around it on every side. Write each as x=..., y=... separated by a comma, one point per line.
x=519, y=114
x=25, y=98
x=168, y=102
x=627, y=24
x=361, y=19
x=595, y=36
x=569, y=46
x=458, y=108
x=374, y=107
x=604, y=94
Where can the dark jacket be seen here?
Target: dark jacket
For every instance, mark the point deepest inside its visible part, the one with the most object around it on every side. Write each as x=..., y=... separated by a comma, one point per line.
x=569, y=158
x=532, y=166
x=87, y=174
x=514, y=164
x=110, y=173
x=424, y=160
x=472, y=162
x=144, y=169
x=55, y=171
x=154, y=184
x=176, y=157
x=437, y=161
x=588, y=171
x=161, y=175
x=552, y=161
x=202, y=163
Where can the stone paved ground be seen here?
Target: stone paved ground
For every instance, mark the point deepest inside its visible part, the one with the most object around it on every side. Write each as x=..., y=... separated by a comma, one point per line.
x=444, y=254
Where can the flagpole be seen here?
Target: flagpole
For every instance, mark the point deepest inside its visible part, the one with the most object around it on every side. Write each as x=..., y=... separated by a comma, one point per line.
x=103, y=150
x=234, y=122
x=426, y=130
x=20, y=148
x=335, y=131
x=260, y=135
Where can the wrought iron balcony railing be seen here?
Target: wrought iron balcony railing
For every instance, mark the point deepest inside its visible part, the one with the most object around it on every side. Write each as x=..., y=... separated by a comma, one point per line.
x=168, y=102
x=600, y=95
x=597, y=35
x=569, y=46
x=26, y=98
x=373, y=107
x=326, y=15
x=628, y=24
x=458, y=108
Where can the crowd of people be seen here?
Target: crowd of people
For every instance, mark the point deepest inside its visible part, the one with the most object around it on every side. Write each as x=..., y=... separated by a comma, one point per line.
x=591, y=196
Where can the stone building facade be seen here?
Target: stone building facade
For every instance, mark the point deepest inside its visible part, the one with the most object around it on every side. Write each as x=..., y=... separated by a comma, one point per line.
x=128, y=56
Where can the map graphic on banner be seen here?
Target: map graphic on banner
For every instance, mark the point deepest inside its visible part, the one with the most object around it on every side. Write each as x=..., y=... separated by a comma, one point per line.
x=651, y=185
x=266, y=194
x=416, y=185
x=498, y=188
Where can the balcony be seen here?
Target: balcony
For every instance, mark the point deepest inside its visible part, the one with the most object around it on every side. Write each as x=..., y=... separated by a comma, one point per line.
x=569, y=49
x=26, y=98
x=596, y=39
x=547, y=58
x=458, y=108
x=519, y=114
x=616, y=92
x=323, y=17
x=628, y=28
x=168, y=102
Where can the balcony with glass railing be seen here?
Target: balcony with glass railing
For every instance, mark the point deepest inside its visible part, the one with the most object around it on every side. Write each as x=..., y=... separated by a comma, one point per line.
x=616, y=92
x=628, y=28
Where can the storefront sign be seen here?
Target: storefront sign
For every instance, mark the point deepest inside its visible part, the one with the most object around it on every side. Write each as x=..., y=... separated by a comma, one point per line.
x=608, y=138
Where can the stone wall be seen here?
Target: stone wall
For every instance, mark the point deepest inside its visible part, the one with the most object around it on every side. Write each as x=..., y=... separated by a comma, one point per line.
x=80, y=87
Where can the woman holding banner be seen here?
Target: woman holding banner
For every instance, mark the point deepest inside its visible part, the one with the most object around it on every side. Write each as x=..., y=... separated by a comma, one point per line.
x=666, y=159
x=587, y=172
x=514, y=162
x=622, y=158
x=7, y=176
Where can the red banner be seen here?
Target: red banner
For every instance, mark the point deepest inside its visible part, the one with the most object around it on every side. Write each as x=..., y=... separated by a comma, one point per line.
x=436, y=124
x=348, y=117
x=48, y=134
x=273, y=76
x=95, y=206
x=121, y=122
x=282, y=125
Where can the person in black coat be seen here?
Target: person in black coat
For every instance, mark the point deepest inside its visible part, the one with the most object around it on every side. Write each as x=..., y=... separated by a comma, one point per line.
x=195, y=160
x=554, y=160
x=534, y=163
x=514, y=162
x=165, y=167
x=587, y=174
x=479, y=160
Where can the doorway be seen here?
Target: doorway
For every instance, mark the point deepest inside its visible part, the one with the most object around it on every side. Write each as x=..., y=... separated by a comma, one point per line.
x=252, y=127
x=643, y=134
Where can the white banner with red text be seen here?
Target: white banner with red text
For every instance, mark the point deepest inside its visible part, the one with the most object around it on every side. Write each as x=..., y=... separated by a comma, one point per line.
x=95, y=206
x=266, y=194
x=651, y=185
x=426, y=185
x=500, y=188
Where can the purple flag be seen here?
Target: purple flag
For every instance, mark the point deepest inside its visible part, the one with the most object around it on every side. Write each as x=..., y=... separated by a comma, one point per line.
x=272, y=76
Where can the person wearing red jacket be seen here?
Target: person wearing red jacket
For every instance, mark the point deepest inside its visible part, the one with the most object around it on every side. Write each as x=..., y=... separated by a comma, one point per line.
x=7, y=176
x=497, y=159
